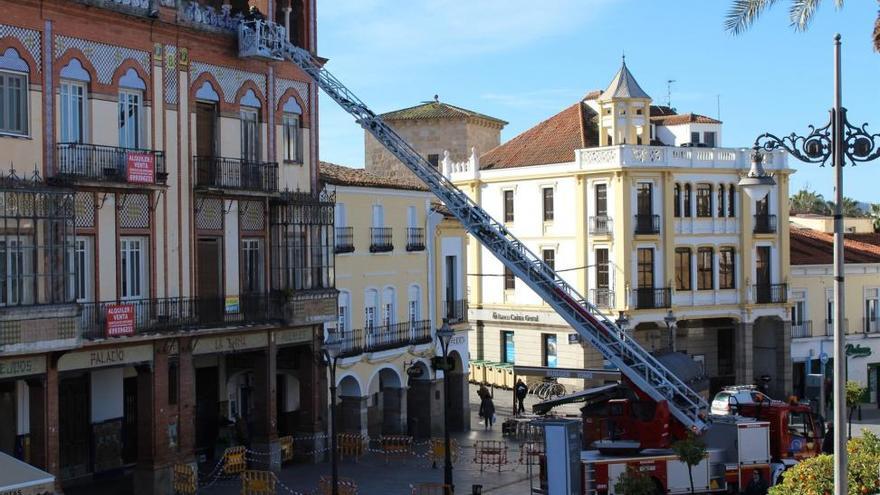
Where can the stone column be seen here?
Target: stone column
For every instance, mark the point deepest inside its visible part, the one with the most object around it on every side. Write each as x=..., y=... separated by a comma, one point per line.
x=783, y=383
x=152, y=473
x=352, y=415
x=436, y=404
x=186, y=401
x=44, y=410
x=265, y=437
x=744, y=351
x=394, y=405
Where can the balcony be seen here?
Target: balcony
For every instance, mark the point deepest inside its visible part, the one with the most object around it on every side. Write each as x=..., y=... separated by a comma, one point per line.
x=380, y=240
x=97, y=163
x=765, y=224
x=829, y=327
x=109, y=319
x=415, y=239
x=601, y=225
x=871, y=324
x=456, y=311
x=647, y=224
x=38, y=328
x=602, y=298
x=802, y=330
x=344, y=240
x=385, y=337
x=236, y=174
x=771, y=293
x=652, y=298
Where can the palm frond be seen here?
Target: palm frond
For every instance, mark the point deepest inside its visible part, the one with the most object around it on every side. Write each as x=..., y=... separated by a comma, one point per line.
x=743, y=13
x=801, y=12
x=877, y=32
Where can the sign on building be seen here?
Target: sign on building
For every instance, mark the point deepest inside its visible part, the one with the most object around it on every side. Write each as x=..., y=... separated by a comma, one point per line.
x=120, y=320
x=141, y=167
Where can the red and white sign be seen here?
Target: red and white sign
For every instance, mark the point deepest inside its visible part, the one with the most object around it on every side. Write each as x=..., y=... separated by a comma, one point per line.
x=141, y=167
x=120, y=320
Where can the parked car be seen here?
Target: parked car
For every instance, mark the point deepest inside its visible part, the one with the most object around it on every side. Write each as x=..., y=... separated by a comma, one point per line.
x=729, y=397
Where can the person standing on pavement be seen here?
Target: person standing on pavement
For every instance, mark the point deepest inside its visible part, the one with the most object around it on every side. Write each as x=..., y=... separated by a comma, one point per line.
x=521, y=390
x=487, y=411
x=828, y=441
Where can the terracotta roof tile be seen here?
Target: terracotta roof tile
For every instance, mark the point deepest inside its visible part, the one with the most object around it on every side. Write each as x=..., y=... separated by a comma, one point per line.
x=684, y=118
x=340, y=175
x=812, y=247
x=551, y=141
x=437, y=110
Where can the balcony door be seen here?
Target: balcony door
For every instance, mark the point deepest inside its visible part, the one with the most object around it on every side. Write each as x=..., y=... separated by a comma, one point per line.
x=645, y=199
x=450, y=286
x=210, y=281
x=763, y=272
x=645, y=292
x=206, y=140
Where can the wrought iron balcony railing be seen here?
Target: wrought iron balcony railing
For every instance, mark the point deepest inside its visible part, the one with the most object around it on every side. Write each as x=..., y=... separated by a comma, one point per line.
x=234, y=173
x=415, y=239
x=380, y=240
x=603, y=298
x=455, y=311
x=385, y=337
x=652, y=298
x=802, y=330
x=601, y=225
x=647, y=224
x=100, y=320
x=771, y=293
x=829, y=327
x=344, y=240
x=765, y=224
x=94, y=162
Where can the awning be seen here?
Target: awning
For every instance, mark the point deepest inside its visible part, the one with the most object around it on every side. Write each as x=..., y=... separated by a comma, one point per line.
x=603, y=392
x=20, y=478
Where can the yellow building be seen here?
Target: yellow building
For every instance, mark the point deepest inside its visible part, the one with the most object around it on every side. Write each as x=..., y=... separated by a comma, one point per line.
x=399, y=262
x=812, y=312
x=637, y=206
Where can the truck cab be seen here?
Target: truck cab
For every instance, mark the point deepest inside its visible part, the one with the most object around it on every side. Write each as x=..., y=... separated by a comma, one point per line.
x=794, y=431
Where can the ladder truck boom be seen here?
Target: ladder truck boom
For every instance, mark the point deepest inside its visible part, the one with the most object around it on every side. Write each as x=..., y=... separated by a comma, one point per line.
x=267, y=40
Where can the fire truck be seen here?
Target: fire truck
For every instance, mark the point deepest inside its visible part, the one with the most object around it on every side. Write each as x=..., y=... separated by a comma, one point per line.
x=658, y=406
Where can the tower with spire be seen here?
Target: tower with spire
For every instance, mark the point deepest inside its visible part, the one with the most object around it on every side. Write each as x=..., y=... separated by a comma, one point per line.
x=624, y=110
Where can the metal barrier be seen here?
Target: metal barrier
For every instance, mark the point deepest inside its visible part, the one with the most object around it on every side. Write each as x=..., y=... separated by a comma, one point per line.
x=346, y=486
x=234, y=460
x=438, y=450
x=258, y=482
x=530, y=453
x=351, y=445
x=431, y=489
x=184, y=479
x=286, y=444
x=395, y=446
x=490, y=453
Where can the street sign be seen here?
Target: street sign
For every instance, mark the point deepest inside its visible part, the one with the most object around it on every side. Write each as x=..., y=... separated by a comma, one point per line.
x=823, y=358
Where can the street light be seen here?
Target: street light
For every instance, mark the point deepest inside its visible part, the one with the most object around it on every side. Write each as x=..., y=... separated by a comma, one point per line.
x=444, y=335
x=836, y=141
x=332, y=349
x=622, y=322
x=670, y=321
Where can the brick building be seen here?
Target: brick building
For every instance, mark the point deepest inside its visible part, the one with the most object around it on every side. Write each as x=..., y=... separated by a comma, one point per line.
x=166, y=260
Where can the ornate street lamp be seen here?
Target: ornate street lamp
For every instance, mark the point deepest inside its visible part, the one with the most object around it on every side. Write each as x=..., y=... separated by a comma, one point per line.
x=444, y=335
x=671, y=321
x=837, y=141
x=332, y=349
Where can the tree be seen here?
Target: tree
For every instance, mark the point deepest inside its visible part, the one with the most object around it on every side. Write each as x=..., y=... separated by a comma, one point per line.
x=633, y=482
x=690, y=451
x=874, y=213
x=744, y=13
x=807, y=201
x=854, y=394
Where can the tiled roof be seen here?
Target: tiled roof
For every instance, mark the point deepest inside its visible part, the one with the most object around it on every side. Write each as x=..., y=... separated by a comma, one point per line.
x=662, y=111
x=811, y=247
x=684, y=118
x=624, y=85
x=437, y=110
x=340, y=175
x=593, y=95
x=551, y=141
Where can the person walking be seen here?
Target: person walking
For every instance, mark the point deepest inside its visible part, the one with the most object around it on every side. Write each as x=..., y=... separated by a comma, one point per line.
x=487, y=411
x=828, y=440
x=521, y=390
x=757, y=486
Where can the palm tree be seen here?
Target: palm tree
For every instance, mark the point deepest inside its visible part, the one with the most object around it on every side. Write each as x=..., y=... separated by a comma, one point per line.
x=806, y=201
x=875, y=214
x=743, y=13
x=850, y=207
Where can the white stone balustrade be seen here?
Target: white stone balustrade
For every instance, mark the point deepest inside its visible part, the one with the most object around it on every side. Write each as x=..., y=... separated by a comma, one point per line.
x=669, y=156
x=466, y=170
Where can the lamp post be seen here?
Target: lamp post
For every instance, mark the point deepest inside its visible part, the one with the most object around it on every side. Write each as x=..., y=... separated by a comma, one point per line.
x=332, y=349
x=444, y=335
x=622, y=322
x=670, y=321
x=836, y=141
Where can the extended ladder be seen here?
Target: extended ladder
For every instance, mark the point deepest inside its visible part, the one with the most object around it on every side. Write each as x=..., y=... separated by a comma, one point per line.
x=267, y=40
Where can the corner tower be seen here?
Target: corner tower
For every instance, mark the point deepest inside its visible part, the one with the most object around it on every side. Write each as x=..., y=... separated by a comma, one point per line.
x=624, y=109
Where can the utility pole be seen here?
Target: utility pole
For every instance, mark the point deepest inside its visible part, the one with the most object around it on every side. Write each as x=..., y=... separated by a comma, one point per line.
x=669, y=92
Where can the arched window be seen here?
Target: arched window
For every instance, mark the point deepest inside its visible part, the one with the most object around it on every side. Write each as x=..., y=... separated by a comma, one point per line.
x=74, y=102
x=415, y=303
x=131, y=113
x=389, y=316
x=371, y=300
x=13, y=93
x=291, y=123
x=250, y=127
x=677, y=199
x=343, y=317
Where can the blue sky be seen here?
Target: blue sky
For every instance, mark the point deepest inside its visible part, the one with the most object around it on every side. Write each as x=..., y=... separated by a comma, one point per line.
x=511, y=60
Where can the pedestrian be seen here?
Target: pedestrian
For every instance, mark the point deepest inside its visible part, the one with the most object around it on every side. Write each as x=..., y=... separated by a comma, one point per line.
x=487, y=411
x=828, y=440
x=521, y=391
x=483, y=392
x=757, y=486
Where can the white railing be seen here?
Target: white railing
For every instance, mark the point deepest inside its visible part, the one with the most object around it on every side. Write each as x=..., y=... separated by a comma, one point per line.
x=670, y=156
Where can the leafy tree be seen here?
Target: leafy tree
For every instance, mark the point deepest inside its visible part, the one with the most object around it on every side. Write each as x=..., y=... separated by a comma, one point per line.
x=875, y=214
x=816, y=475
x=633, y=482
x=690, y=451
x=854, y=395
x=806, y=201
